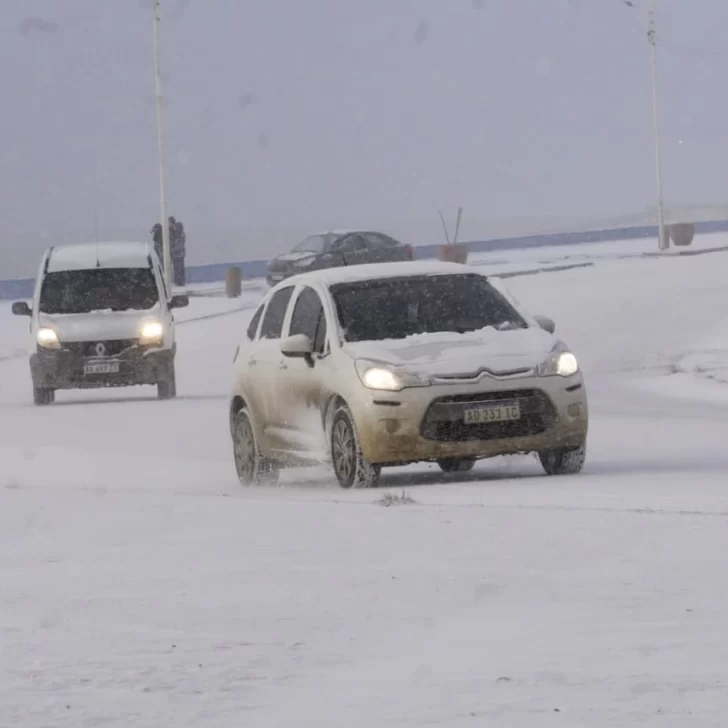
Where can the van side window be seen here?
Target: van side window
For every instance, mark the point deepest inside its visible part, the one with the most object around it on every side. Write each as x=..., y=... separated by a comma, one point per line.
x=308, y=318
x=275, y=314
x=253, y=325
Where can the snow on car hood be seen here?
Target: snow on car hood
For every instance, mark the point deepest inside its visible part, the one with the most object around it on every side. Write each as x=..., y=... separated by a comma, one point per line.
x=293, y=257
x=98, y=325
x=449, y=354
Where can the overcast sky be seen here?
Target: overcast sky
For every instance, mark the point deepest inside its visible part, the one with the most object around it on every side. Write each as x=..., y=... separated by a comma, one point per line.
x=285, y=116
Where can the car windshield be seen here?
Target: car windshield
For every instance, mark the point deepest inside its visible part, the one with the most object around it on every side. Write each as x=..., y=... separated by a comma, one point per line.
x=314, y=244
x=98, y=289
x=396, y=308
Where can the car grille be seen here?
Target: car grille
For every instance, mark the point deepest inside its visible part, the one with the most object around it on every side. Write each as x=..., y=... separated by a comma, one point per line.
x=443, y=420
x=87, y=349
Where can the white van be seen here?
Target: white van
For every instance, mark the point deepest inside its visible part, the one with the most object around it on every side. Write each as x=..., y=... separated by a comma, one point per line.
x=101, y=317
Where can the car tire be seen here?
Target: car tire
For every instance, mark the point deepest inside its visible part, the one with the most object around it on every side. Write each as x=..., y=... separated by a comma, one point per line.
x=252, y=468
x=167, y=387
x=456, y=465
x=563, y=462
x=43, y=396
x=351, y=468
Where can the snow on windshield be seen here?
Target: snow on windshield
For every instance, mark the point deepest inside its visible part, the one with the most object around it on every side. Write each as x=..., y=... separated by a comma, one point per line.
x=396, y=308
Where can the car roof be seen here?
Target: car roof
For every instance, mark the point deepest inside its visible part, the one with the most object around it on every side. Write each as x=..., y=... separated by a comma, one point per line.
x=86, y=256
x=375, y=271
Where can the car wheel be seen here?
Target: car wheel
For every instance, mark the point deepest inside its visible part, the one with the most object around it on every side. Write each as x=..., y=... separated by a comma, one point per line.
x=563, y=462
x=251, y=466
x=167, y=387
x=43, y=396
x=351, y=468
x=456, y=465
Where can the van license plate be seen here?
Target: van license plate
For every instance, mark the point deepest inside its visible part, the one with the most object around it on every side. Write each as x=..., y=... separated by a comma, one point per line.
x=506, y=412
x=105, y=367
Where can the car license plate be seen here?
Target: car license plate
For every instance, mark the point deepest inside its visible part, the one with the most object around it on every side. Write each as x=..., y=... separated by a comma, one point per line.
x=505, y=412
x=102, y=367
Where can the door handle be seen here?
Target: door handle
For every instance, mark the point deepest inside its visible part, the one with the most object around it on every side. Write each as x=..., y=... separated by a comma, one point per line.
x=283, y=365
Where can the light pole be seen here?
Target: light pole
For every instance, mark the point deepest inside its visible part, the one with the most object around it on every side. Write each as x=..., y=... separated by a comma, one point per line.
x=166, y=252
x=663, y=241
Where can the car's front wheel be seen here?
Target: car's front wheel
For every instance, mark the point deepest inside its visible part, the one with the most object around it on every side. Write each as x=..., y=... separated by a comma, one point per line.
x=351, y=468
x=167, y=386
x=456, y=465
x=251, y=466
x=563, y=462
x=43, y=396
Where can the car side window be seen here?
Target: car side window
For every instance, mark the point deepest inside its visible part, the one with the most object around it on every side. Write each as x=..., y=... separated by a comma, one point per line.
x=308, y=318
x=253, y=325
x=275, y=314
x=349, y=244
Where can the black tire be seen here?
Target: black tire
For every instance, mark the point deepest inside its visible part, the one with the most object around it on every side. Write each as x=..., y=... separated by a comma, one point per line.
x=43, y=396
x=167, y=387
x=563, y=462
x=456, y=465
x=351, y=468
x=252, y=468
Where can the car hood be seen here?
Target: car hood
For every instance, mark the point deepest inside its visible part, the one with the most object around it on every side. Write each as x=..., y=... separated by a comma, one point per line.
x=292, y=257
x=452, y=355
x=98, y=325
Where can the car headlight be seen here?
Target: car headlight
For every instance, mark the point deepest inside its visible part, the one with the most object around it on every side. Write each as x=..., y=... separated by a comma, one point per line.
x=386, y=378
x=47, y=338
x=303, y=263
x=561, y=363
x=152, y=332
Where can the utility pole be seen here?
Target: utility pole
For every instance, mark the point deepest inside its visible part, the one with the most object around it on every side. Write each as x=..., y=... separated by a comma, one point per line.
x=663, y=241
x=166, y=252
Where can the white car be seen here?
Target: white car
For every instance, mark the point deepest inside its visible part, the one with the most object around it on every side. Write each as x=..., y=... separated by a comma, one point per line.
x=389, y=364
x=101, y=317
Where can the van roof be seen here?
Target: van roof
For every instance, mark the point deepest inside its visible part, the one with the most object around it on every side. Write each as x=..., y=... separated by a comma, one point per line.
x=85, y=256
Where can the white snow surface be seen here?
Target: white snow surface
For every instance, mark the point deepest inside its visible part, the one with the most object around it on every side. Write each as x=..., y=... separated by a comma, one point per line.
x=141, y=585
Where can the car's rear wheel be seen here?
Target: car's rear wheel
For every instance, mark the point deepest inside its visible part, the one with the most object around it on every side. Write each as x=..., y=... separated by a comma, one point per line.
x=456, y=465
x=251, y=466
x=563, y=462
x=43, y=396
x=167, y=387
x=351, y=468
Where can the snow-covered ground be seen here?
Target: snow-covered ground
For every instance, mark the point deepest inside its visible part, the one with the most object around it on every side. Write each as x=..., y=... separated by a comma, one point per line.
x=141, y=585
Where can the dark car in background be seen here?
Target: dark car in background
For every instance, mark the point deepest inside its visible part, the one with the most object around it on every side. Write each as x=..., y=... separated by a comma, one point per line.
x=335, y=249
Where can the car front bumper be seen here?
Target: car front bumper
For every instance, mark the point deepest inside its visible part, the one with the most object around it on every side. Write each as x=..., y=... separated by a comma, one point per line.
x=427, y=423
x=64, y=369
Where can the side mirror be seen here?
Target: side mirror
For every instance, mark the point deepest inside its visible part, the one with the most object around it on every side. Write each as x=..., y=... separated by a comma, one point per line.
x=179, y=302
x=21, y=308
x=297, y=346
x=546, y=323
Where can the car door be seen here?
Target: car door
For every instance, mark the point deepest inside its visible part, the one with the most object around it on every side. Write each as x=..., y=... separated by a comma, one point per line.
x=352, y=248
x=302, y=382
x=262, y=367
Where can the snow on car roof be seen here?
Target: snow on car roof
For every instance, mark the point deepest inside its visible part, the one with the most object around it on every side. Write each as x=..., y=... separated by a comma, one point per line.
x=84, y=256
x=372, y=271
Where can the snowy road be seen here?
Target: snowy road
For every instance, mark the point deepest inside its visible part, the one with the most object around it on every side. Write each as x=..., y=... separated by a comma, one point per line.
x=139, y=584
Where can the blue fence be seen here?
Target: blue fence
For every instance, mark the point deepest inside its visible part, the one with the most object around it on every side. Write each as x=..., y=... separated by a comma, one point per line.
x=23, y=288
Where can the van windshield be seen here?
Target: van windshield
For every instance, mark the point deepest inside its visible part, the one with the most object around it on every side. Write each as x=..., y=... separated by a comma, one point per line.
x=98, y=289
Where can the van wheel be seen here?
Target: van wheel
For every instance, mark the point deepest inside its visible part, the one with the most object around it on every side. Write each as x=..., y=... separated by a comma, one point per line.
x=167, y=387
x=456, y=465
x=251, y=466
x=42, y=396
x=351, y=468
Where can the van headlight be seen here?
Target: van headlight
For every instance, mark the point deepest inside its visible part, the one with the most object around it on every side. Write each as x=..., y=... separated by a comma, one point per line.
x=152, y=332
x=47, y=338
x=385, y=378
x=561, y=363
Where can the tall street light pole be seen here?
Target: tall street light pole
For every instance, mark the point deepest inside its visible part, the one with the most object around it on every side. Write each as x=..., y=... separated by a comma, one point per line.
x=166, y=252
x=663, y=241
